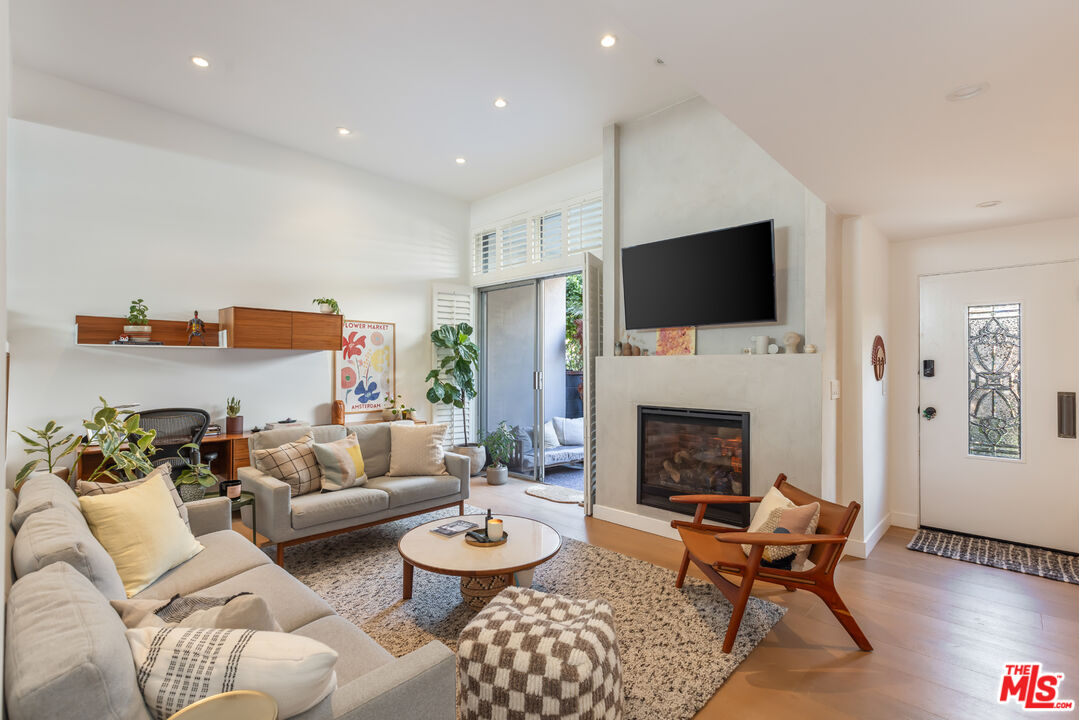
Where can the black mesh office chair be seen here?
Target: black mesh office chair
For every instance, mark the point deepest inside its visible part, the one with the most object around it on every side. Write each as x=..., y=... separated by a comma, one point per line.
x=175, y=428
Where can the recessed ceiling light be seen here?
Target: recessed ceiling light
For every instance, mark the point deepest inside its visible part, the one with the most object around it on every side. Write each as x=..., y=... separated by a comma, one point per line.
x=608, y=40
x=966, y=92
x=342, y=131
x=200, y=61
x=500, y=102
x=460, y=161
x=988, y=204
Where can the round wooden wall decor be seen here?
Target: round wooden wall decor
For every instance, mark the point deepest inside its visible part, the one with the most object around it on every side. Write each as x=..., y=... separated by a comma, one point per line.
x=878, y=358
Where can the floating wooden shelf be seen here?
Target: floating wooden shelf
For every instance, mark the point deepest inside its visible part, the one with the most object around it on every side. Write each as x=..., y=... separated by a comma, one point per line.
x=97, y=330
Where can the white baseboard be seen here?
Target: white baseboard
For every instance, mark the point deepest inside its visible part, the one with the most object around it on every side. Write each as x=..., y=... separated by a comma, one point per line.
x=862, y=548
x=905, y=520
x=635, y=521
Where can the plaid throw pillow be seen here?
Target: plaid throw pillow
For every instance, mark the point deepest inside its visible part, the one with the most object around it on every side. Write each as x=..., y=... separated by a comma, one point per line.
x=293, y=463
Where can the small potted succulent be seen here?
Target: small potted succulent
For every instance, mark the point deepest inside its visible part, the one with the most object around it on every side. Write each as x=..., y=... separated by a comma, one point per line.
x=328, y=306
x=138, y=326
x=499, y=443
x=50, y=447
x=193, y=480
x=234, y=421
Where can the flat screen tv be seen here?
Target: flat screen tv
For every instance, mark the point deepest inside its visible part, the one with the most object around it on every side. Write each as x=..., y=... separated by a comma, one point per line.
x=722, y=277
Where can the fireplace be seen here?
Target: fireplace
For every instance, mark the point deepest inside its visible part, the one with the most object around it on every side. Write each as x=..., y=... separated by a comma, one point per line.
x=689, y=452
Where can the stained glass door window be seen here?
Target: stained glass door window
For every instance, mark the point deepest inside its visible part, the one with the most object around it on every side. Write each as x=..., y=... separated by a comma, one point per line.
x=994, y=394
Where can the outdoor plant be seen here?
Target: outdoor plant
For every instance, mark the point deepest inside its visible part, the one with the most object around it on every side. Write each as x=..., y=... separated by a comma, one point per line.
x=125, y=447
x=232, y=407
x=453, y=382
x=48, y=442
x=328, y=301
x=574, y=321
x=195, y=473
x=136, y=314
x=499, y=443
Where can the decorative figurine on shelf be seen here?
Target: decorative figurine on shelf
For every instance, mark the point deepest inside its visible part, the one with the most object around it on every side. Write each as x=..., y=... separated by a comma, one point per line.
x=196, y=328
x=791, y=341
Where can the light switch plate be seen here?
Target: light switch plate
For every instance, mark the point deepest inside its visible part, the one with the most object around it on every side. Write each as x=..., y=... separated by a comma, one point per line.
x=833, y=386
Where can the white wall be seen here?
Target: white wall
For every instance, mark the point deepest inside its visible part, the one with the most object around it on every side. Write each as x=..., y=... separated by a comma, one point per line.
x=689, y=169
x=5, y=106
x=1030, y=244
x=864, y=475
x=548, y=191
x=111, y=200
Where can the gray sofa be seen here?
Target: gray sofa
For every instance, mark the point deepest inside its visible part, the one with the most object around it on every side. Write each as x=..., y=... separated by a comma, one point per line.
x=287, y=520
x=66, y=655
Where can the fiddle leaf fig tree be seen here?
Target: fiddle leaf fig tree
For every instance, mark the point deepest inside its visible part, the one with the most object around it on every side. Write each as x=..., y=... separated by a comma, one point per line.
x=453, y=382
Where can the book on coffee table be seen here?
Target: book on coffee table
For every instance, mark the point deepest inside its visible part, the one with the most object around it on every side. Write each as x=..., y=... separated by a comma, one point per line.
x=454, y=528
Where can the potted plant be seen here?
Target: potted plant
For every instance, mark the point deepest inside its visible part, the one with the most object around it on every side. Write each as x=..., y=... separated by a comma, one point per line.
x=138, y=326
x=453, y=382
x=45, y=445
x=193, y=480
x=234, y=421
x=328, y=306
x=395, y=409
x=499, y=443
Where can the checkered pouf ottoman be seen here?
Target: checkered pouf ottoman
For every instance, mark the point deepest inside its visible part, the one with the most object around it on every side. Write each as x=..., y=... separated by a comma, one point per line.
x=533, y=656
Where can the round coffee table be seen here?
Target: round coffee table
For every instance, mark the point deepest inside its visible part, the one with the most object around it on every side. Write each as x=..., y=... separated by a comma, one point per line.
x=484, y=571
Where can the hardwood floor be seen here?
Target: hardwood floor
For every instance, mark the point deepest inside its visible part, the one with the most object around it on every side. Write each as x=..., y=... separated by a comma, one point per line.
x=942, y=629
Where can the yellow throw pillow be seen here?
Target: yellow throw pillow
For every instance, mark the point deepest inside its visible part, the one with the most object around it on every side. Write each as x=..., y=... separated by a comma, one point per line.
x=341, y=462
x=141, y=531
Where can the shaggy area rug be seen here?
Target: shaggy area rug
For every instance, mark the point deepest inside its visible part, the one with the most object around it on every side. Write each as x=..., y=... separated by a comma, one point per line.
x=669, y=639
x=556, y=493
x=996, y=553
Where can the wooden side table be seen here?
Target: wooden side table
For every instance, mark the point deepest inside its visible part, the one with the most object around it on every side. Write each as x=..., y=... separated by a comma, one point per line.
x=246, y=704
x=245, y=499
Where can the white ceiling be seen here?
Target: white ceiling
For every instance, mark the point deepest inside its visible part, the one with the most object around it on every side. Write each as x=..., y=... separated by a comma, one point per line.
x=846, y=94
x=414, y=81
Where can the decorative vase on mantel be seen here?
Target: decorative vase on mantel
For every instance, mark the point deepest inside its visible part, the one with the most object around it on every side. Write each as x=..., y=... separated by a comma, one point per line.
x=325, y=308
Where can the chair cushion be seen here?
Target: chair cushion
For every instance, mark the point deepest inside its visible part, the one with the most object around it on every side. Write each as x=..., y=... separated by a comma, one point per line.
x=57, y=535
x=768, y=518
x=374, y=439
x=141, y=531
x=66, y=653
x=180, y=666
x=39, y=493
x=357, y=653
x=407, y=490
x=292, y=603
x=573, y=431
x=550, y=435
x=293, y=463
x=319, y=508
x=162, y=473
x=417, y=449
x=227, y=553
x=341, y=462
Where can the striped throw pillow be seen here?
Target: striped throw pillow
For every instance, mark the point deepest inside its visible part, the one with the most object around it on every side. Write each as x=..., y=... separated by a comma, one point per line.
x=341, y=462
x=178, y=666
x=293, y=463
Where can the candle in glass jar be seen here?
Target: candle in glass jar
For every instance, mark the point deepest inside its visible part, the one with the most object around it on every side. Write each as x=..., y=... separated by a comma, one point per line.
x=233, y=491
x=494, y=529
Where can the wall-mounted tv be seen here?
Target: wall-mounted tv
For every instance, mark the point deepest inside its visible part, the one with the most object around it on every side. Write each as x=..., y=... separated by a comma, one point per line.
x=720, y=277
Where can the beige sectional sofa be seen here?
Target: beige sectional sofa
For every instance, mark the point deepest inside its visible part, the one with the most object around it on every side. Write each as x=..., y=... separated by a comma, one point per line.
x=287, y=520
x=66, y=655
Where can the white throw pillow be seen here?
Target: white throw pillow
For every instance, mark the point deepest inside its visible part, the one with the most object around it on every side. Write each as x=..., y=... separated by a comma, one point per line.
x=766, y=519
x=417, y=450
x=550, y=437
x=573, y=431
x=176, y=667
x=243, y=611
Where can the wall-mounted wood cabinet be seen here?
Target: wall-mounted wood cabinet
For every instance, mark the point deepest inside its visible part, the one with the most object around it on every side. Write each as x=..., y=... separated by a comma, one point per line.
x=280, y=329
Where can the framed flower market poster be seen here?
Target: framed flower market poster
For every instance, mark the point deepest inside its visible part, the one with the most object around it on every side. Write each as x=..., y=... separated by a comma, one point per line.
x=364, y=368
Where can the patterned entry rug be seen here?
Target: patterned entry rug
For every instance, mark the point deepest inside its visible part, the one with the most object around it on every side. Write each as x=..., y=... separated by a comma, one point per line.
x=670, y=639
x=996, y=553
x=555, y=493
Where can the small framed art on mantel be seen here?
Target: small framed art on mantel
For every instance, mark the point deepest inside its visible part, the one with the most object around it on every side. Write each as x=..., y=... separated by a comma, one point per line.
x=365, y=368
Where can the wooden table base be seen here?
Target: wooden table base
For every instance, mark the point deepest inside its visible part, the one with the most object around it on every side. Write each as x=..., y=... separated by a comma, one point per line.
x=478, y=591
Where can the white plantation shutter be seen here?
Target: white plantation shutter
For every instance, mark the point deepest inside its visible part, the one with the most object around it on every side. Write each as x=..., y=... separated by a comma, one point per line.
x=547, y=237
x=513, y=245
x=452, y=305
x=592, y=344
x=483, y=259
x=584, y=226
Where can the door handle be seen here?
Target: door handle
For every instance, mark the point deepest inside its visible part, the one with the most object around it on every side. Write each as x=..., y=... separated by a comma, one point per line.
x=1066, y=415
x=929, y=413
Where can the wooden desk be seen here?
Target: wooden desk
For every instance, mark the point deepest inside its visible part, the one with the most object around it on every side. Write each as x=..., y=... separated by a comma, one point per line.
x=231, y=456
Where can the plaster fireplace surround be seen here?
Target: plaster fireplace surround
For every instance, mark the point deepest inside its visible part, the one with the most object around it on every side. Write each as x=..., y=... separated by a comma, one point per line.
x=781, y=396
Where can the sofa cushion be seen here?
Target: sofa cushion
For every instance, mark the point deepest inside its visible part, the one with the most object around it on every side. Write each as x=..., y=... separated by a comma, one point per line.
x=407, y=490
x=41, y=492
x=66, y=652
x=275, y=438
x=357, y=653
x=417, y=449
x=227, y=553
x=354, y=502
x=57, y=535
x=375, y=444
x=292, y=603
x=162, y=473
x=244, y=611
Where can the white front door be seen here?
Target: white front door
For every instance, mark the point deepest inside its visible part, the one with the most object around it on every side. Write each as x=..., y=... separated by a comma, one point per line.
x=1003, y=344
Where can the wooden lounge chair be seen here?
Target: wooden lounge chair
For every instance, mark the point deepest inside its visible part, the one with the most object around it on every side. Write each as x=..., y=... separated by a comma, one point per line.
x=716, y=550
